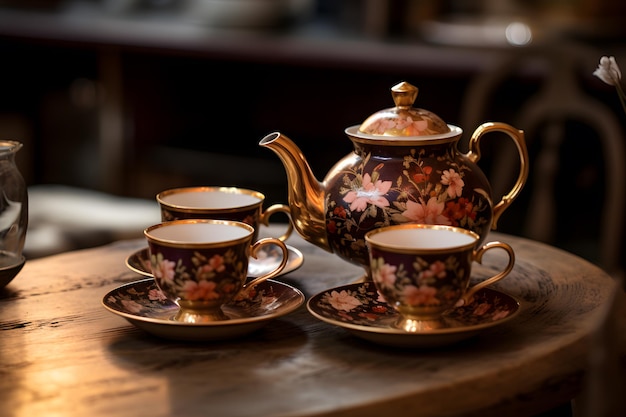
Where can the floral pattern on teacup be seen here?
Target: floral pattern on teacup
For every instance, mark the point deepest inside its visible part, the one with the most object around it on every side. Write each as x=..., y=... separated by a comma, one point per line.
x=423, y=283
x=208, y=278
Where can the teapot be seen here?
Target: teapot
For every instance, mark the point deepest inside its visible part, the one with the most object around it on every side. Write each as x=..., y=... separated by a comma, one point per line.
x=405, y=168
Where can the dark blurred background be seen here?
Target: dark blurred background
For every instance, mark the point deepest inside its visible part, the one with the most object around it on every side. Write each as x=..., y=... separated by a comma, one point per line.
x=117, y=100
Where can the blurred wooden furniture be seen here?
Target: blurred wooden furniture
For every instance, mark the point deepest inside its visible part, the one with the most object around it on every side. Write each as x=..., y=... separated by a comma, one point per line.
x=62, y=353
x=139, y=100
x=592, y=219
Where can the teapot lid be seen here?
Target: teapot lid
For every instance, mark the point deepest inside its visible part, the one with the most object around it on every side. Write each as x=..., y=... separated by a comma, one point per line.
x=404, y=119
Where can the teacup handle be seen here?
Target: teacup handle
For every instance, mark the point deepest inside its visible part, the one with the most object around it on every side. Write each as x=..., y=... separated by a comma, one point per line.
x=478, y=256
x=474, y=155
x=276, y=208
x=254, y=249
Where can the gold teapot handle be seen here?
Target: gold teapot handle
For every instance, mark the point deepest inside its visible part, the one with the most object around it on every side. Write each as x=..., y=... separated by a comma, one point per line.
x=518, y=137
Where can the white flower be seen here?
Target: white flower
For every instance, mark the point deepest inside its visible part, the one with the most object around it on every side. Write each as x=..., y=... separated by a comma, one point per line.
x=608, y=71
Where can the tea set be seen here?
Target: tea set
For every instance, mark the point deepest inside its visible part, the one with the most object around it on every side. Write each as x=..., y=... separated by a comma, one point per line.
x=406, y=205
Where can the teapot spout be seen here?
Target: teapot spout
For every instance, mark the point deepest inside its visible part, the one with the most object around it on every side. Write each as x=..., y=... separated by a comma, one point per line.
x=306, y=193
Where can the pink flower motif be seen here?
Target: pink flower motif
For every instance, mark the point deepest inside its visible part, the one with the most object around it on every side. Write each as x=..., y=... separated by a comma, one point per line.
x=383, y=125
x=420, y=125
x=343, y=300
x=429, y=213
x=156, y=295
x=368, y=316
x=409, y=126
x=435, y=270
x=499, y=314
x=165, y=271
x=481, y=309
x=132, y=306
x=345, y=316
x=412, y=127
x=418, y=296
x=453, y=180
x=385, y=275
x=203, y=290
x=369, y=193
x=217, y=263
x=207, y=271
x=401, y=123
x=380, y=309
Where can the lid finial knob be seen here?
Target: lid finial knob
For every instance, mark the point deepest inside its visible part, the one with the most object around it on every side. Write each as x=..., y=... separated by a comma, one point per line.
x=404, y=94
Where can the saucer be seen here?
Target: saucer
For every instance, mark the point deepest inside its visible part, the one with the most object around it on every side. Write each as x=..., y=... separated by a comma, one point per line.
x=360, y=309
x=268, y=259
x=143, y=304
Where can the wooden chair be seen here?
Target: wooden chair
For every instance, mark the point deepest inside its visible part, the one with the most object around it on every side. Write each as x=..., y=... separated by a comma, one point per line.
x=543, y=116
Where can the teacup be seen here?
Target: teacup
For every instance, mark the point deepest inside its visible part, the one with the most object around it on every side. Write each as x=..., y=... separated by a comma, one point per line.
x=220, y=203
x=202, y=264
x=424, y=270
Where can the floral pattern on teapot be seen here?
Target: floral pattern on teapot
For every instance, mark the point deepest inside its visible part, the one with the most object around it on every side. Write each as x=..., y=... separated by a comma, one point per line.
x=405, y=167
x=432, y=188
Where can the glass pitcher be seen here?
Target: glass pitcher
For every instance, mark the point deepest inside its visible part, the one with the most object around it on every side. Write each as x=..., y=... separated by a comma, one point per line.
x=13, y=213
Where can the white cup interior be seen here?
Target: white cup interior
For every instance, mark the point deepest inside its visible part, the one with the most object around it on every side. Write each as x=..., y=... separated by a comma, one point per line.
x=422, y=238
x=209, y=199
x=199, y=232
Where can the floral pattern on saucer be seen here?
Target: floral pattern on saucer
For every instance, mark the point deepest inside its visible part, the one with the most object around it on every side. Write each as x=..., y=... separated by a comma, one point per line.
x=144, y=305
x=361, y=309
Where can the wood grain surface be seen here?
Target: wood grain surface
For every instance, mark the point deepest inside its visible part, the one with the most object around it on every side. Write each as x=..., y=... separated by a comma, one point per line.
x=63, y=354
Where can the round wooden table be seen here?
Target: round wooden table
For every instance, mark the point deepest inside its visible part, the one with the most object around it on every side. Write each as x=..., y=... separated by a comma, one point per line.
x=62, y=353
